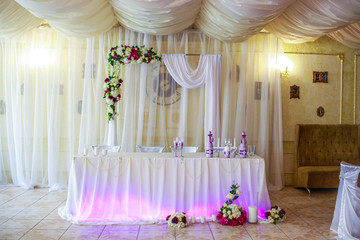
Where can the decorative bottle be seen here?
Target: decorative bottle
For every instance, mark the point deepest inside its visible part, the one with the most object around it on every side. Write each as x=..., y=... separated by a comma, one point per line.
x=209, y=147
x=243, y=146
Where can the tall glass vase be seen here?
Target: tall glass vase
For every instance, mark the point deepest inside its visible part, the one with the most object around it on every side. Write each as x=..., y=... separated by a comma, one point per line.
x=111, y=134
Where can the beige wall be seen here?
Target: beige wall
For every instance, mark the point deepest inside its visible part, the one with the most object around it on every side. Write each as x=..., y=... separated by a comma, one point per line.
x=322, y=57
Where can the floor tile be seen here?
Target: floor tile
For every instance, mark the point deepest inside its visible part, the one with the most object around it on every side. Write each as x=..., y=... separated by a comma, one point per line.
x=268, y=235
x=231, y=235
x=37, y=218
x=199, y=235
x=122, y=228
x=33, y=214
x=88, y=234
x=156, y=227
x=43, y=234
x=53, y=224
x=115, y=235
x=195, y=227
x=12, y=233
x=155, y=235
x=19, y=223
x=54, y=215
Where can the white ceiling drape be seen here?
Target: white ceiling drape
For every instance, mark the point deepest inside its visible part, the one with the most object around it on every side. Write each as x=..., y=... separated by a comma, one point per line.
x=293, y=21
x=80, y=18
x=308, y=20
x=14, y=19
x=160, y=17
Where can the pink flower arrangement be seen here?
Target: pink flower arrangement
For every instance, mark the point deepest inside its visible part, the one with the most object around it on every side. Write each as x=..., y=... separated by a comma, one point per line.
x=275, y=214
x=233, y=222
x=179, y=219
x=230, y=213
x=120, y=56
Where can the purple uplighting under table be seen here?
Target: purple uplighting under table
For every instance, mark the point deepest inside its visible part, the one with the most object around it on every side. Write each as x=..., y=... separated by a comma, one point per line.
x=144, y=188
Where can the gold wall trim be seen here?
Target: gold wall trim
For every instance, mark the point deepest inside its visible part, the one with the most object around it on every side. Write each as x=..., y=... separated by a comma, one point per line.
x=341, y=58
x=355, y=85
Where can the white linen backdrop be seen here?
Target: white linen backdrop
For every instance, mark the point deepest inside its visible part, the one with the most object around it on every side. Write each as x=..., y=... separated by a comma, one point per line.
x=208, y=72
x=52, y=88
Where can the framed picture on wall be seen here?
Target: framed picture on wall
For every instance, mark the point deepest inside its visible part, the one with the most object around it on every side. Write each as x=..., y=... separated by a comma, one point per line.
x=320, y=77
x=294, y=91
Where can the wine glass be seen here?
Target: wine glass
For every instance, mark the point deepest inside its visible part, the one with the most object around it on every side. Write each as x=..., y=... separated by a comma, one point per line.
x=181, y=147
x=175, y=147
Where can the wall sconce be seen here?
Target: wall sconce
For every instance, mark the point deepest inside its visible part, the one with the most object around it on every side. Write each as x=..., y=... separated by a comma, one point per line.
x=286, y=66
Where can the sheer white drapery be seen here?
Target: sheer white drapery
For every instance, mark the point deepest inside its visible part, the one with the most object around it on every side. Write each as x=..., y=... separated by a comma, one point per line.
x=226, y=20
x=208, y=72
x=39, y=124
x=62, y=110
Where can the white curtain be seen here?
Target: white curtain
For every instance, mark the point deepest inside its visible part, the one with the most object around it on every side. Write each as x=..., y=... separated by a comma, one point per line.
x=38, y=125
x=207, y=72
x=55, y=109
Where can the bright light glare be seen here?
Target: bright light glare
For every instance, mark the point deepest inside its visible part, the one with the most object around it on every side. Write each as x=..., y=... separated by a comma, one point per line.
x=286, y=64
x=40, y=57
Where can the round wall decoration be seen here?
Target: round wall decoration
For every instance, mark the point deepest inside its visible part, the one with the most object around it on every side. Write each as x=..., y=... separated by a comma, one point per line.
x=320, y=111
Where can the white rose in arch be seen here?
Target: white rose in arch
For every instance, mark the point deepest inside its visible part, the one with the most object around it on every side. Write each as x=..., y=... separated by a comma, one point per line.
x=230, y=196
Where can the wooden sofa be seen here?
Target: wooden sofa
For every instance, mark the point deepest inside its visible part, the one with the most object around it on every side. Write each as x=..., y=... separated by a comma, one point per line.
x=319, y=150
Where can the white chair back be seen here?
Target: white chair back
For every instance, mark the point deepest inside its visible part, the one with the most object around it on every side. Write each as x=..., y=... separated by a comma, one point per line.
x=107, y=147
x=346, y=217
x=158, y=149
x=187, y=149
x=221, y=149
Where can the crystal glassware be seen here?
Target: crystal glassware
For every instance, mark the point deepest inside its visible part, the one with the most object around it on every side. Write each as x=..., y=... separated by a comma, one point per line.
x=175, y=147
x=181, y=147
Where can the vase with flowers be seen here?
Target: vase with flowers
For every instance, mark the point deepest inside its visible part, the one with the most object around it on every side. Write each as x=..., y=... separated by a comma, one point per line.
x=230, y=213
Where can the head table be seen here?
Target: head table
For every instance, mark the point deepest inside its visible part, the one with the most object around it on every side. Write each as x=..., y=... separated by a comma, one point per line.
x=144, y=188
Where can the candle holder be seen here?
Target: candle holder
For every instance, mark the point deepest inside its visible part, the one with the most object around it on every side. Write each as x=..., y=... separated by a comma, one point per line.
x=253, y=210
x=96, y=151
x=86, y=151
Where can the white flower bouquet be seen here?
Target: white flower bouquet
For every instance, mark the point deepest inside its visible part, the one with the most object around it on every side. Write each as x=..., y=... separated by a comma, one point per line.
x=179, y=220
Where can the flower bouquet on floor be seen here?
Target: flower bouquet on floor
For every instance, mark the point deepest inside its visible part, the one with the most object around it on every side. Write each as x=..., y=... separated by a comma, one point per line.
x=230, y=213
x=276, y=214
x=179, y=220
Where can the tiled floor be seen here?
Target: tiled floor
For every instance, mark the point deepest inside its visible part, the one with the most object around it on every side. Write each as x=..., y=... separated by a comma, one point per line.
x=32, y=214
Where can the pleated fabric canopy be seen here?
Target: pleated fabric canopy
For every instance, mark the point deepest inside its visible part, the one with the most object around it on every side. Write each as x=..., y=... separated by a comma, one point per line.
x=293, y=21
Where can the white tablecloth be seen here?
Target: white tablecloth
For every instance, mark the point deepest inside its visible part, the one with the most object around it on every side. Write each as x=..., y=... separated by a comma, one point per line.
x=139, y=188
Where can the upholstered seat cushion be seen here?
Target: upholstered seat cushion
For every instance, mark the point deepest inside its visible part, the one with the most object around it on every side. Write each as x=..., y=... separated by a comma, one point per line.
x=318, y=176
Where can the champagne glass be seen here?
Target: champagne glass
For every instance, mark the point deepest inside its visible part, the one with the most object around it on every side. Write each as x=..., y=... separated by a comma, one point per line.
x=175, y=147
x=181, y=147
